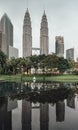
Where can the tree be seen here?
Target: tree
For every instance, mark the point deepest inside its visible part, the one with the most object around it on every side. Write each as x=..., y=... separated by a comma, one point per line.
x=23, y=64
x=34, y=62
x=27, y=65
x=51, y=61
x=3, y=58
x=63, y=64
x=71, y=63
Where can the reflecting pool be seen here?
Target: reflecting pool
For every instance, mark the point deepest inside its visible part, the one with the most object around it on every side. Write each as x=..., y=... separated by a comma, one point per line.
x=38, y=106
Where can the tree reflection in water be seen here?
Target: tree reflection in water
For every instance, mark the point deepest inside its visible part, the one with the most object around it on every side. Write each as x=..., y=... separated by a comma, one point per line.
x=36, y=104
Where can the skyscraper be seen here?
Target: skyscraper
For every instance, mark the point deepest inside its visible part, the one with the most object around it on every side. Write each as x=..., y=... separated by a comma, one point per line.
x=44, y=40
x=3, y=46
x=7, y=29
x=70, y=54
x=27, y=35
x=59, y=46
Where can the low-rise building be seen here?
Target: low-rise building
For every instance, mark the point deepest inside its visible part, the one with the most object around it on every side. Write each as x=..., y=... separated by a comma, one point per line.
x=13, y=52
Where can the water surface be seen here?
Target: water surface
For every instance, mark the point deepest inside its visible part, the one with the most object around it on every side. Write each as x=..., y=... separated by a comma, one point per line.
x=38, y=106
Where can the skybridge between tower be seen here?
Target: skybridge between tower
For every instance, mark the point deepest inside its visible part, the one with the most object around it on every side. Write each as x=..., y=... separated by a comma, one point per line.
x=35, y=51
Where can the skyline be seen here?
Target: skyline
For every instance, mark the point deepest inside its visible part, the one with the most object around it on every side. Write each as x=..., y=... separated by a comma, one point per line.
x=61, y=15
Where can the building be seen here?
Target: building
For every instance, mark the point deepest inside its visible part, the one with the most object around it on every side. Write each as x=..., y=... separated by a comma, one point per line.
x=13, y=52
x=59, y=46
x=3, y=46
x=70, y=54
x=44, y=39
x=27, y=35
x=7, y=29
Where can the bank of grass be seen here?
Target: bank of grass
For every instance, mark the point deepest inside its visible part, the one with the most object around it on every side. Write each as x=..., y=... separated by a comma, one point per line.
x=39, y=78
x=19, y=78
x=65, y=78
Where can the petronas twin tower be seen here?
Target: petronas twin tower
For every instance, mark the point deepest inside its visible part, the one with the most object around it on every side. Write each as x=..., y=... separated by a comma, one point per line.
x=27, y=35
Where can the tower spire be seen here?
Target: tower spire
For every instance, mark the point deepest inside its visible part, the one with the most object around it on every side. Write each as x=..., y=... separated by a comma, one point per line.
x=27, y=35
x=44, y=40
x=44, y=12
x=27, y=10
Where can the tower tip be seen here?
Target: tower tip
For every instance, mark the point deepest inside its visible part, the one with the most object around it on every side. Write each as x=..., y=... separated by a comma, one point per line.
x=44, y=12
x=27, y=10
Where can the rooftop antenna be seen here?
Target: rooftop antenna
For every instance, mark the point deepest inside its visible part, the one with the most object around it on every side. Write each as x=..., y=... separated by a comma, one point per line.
x=27, y=3
x=44, y=6
x=44, y=12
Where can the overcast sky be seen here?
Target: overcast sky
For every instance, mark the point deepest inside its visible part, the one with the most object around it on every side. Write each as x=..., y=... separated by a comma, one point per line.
x=62, y=18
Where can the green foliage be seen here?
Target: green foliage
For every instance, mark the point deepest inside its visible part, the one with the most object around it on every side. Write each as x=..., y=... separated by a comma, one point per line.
x=51, y=61
x=22, y=65
x=63, y=64
x=35, y=60
x=2, y=62
x=71, y=63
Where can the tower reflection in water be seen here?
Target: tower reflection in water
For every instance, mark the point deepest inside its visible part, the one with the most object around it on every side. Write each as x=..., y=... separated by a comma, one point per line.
x=44, y=116
x=37, y=113
x=40, y=114
x=71, y=101
x=60, y=111
x=35, y=116
x=26, y=115
x=30, y=113
x=6, y=107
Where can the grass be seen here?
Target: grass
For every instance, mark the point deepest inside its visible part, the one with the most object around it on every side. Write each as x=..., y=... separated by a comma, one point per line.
x=10, y=78
x=19, y=78
x=65, y=78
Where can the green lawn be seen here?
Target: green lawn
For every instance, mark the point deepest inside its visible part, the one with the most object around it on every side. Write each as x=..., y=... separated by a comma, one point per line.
x=19, y=78
x=65, y=78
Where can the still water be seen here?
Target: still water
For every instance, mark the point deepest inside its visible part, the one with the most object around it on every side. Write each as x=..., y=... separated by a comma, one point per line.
x=38, y=106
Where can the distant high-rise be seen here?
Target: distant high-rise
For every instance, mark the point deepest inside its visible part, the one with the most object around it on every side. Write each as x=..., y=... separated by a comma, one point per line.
x=7, y=29
x=59, y=46
x=3, y=46
x=44, y=40
x=70, y=53
x=27, y=35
